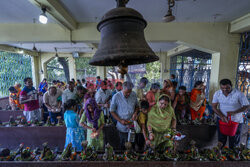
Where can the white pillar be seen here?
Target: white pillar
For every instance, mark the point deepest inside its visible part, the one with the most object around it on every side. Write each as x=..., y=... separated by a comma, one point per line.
x=101, y=71
x=72, y=68
x=35, y=70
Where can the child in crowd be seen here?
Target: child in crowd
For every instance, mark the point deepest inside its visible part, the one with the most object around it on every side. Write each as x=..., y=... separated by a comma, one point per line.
x=181, y=104
x=75, y=133
x=142, y=121
x=13, y=98
x=93, y=120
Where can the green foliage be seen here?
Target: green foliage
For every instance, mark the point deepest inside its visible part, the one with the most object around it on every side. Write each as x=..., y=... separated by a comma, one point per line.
x=13, y=68
x=55, y=71
x=153, y=71
x=82, y=65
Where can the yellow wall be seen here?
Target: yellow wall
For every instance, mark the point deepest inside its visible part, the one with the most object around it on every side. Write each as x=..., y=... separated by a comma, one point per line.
x=210, y=37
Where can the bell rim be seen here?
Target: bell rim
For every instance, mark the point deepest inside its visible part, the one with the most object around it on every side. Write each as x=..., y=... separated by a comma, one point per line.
x=139, y=59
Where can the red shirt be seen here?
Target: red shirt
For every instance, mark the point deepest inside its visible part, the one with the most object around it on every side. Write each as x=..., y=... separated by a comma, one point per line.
x=25, y=94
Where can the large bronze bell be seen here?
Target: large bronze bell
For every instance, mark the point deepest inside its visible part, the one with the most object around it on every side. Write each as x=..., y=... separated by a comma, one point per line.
x=122, y=38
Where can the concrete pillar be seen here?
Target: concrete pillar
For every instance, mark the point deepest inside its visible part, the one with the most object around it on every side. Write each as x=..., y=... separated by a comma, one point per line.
x=45, y=72
x=35, y=70
x=72, y=68
x=165, y=66
x=224, y=65
x=214, y=76
x=101, y=71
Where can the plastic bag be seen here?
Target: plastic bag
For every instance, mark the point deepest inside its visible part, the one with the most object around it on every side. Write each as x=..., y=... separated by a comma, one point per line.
x=137, y=127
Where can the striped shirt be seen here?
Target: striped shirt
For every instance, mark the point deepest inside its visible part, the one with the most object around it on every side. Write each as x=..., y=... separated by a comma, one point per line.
x=124, y=108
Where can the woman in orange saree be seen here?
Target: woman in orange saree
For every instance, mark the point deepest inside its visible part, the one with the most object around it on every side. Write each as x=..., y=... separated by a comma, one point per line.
x=197, y=101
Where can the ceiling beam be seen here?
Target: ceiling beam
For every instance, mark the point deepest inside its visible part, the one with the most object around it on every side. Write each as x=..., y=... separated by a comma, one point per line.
x=203, y=35
x=18, y=50
x=57, y=11
x=94, y=46
x=240, y=25
x=61, y=54
x=178, y=50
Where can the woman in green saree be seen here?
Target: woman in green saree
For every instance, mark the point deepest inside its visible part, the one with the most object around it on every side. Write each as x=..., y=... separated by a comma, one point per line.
x=161, y=121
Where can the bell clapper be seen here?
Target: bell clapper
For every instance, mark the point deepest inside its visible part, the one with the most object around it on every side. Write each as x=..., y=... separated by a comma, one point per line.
x=122, y=69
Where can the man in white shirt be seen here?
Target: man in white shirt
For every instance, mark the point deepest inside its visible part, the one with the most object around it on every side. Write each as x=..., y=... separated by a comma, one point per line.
x=69, y=93
x=103, y=97
x=52, y=100
x=228, y=101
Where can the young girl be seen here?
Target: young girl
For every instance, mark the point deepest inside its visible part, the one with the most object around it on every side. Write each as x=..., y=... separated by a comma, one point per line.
x=93, y=120
x=75, y=133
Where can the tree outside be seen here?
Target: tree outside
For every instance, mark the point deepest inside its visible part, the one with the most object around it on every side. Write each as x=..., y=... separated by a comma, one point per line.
x=55, y=71
x=13, y=68
x=83, y=69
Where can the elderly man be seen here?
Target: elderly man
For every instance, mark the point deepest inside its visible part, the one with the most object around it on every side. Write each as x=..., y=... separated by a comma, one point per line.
x=231, y=102
x=52, y=100
x=124, y=108
x=102, y=98
x=69, y=93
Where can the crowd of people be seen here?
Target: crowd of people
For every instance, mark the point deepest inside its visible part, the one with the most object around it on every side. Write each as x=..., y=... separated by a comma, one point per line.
x=86, y=107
